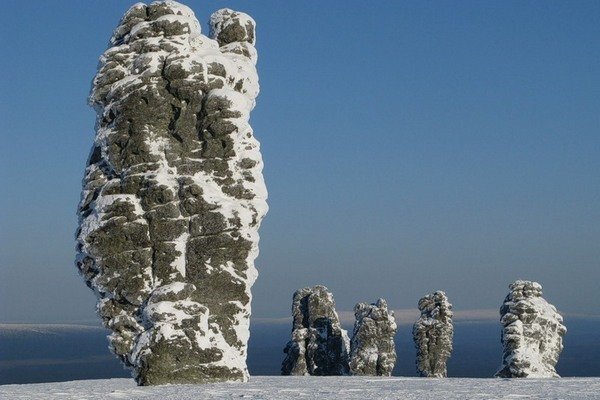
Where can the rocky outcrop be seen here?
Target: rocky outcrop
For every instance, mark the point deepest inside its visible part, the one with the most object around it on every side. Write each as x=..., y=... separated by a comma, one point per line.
x=532, y=333
x=173, y=194
x=432, y=334
x=319, y=345
x=372, y=349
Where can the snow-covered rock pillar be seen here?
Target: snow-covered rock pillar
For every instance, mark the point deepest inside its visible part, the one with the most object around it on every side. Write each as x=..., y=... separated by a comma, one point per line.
x=432, y=334
x=532, y=333
x=319, y=345
x=372, y=349
x=173, y=194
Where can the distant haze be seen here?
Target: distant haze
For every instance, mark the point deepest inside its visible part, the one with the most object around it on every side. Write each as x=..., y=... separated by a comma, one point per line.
x=409, y=147
x=46, y=353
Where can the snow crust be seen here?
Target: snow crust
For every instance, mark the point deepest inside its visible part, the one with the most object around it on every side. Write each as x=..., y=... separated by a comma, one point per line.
x=310, y=387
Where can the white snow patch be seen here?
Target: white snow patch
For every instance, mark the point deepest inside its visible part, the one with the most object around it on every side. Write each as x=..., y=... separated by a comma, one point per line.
x=307, y=387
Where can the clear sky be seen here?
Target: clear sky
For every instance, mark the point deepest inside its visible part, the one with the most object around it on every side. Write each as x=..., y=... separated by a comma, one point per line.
x=409, y=147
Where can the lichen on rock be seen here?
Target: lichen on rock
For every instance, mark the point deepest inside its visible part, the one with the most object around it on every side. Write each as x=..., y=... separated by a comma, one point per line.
x=372, y=349
x=173, y=194
x=319, y=345
x=532, y=333
x=432, y=334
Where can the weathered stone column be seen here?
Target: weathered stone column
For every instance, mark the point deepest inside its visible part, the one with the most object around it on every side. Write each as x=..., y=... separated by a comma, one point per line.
x=433, y=334
x=372, y=348
x=532, y=332
x=319, y=345
x=173, y=194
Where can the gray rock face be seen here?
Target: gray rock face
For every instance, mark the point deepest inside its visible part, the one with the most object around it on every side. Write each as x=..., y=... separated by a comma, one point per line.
x=532, y=333
x=372, y=349
x=173, y=194
x=433, y=334
x=319, y=345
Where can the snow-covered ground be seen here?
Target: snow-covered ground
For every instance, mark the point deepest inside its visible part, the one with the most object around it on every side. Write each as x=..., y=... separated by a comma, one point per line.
x=277, y=387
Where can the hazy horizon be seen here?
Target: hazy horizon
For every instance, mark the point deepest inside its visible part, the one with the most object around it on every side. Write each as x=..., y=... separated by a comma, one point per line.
x=45, y=353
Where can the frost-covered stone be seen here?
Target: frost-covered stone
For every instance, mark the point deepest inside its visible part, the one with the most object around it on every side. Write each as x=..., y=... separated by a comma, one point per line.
x=319, y=345
x=433, y=334
x=173, y=194
x=532, y=333
x=372, y=349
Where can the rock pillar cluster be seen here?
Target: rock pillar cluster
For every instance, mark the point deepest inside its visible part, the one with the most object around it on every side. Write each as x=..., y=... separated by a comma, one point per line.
x=532, y=333
x=173, y=194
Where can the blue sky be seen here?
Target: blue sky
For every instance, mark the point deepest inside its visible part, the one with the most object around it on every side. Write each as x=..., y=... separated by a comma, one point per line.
x=409, y=147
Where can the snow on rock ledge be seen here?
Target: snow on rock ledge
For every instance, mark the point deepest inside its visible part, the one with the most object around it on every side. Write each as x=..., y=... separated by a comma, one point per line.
x=372, y=347
x=319, y=345
x=532, y=333
x=432, y=334
x=173, y=194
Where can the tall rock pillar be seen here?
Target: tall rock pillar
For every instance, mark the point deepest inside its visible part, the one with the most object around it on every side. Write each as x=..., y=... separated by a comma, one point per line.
x=173, y=194
x=432, y=334
x=532, y=333
x=372, y=348
x=319, y=345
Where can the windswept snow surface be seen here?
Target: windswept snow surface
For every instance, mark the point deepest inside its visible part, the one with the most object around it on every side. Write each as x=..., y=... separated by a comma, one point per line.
x=314, y=387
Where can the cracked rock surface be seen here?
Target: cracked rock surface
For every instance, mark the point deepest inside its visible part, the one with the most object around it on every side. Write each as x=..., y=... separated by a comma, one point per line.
x=319, y=345
x=532, y=333
x=372, y=349
x=173, y=194
x=432, y=334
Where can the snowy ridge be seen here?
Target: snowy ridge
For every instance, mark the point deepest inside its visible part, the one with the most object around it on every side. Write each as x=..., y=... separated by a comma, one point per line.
x=15, y=329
